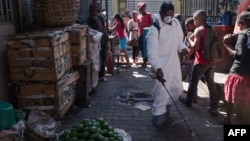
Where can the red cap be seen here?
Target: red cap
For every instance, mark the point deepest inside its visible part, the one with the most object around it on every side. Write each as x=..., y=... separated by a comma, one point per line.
x=141, y=4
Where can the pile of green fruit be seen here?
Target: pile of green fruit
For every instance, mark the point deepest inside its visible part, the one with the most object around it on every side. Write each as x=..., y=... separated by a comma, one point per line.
x=91, y=130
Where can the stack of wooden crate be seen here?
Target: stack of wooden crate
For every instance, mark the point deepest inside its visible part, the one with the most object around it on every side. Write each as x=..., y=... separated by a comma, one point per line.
x=40, y=64
x=79, y=42
x=79, y=39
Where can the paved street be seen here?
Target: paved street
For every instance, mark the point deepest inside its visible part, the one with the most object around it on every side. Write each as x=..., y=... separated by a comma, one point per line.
x=137, y=122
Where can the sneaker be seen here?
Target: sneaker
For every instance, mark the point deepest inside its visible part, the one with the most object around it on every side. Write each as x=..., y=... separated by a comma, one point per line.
x=159, y=120
x=213, y=112
x=103, y=79
x=144, y=65
x=183, y=99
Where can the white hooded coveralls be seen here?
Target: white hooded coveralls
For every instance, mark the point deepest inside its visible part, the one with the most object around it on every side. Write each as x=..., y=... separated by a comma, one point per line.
x=162, y=52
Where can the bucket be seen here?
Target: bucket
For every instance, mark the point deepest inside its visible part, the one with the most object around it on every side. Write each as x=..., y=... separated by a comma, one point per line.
x=145, y=31
x=7, y=115
x=226, y=18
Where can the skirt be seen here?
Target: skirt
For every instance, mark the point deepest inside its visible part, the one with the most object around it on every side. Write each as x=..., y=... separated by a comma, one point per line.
x=237, y=89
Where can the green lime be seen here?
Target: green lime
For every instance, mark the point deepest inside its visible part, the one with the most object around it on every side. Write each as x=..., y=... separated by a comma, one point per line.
x=93, y=136
x=93, y=129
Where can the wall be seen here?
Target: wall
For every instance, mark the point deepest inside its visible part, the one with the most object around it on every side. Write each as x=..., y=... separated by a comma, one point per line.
x=5, y=91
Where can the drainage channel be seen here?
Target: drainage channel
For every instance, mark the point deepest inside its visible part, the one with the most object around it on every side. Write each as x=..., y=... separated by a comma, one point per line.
x=138, y=99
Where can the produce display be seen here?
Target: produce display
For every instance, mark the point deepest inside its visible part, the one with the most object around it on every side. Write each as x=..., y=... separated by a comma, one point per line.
x=91, y=130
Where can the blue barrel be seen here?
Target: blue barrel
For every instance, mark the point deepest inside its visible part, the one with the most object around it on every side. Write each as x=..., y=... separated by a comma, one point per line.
x=145, y=31
x=226, y=18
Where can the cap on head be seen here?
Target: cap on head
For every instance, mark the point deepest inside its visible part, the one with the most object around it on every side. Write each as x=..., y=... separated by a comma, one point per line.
x=141, y=4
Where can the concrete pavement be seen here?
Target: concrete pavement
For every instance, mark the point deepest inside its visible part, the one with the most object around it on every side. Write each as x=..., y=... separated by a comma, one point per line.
x=137, y=122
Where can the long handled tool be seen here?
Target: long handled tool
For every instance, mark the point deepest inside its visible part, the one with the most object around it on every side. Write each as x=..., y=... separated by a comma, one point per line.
x=153, y=75
x=162, y=82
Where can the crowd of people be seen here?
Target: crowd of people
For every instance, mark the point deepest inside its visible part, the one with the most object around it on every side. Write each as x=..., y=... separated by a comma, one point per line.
x=185, y=39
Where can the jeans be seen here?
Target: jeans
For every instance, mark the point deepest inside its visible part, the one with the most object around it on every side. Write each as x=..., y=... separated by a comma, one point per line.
x=208, y=71
x=135, y=52
x=103, y=56
x=145, y=59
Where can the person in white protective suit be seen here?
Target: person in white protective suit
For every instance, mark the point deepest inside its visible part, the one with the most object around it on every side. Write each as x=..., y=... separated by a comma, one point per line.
x=162, y=51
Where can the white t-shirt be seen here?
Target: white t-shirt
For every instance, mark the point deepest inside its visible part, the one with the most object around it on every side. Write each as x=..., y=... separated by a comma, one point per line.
x=132, y=25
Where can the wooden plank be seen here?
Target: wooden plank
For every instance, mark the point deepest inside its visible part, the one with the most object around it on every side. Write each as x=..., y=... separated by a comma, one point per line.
x=61, y=66
x=79, y=58
x=68, y=79
x=76, y=32
x=37, y=39
x=31, y=62
x=46, y=88
x=36, y=89
x=78, y=46
x=39, y=52
x=64, y=108
x=53, y=98
x=16, y=64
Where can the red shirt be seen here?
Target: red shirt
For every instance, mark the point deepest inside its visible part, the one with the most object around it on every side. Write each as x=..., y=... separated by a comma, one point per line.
x=198, y=56
x=120, y=32
x=144, y=21
x=199, y=59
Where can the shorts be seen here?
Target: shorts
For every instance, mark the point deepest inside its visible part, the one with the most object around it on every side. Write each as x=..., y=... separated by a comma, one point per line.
x=123, y=43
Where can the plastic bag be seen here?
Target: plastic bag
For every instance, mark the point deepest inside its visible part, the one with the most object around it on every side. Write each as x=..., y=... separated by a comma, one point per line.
x=126, y=136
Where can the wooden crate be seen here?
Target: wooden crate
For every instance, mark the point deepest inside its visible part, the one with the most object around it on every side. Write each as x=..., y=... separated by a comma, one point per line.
x=54, y=98
x=79, y=58
x=84, y=84
x=40, y=56
x=9, y=135
x=79, y=42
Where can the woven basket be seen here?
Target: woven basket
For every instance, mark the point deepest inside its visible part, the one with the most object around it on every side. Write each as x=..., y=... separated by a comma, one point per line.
x=55, y=13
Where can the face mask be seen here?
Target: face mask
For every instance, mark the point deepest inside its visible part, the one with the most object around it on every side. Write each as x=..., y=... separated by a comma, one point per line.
x=167, y=19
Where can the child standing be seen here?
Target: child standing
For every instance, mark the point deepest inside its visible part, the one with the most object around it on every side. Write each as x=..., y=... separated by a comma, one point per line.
x=133, y=34
x=121, y=33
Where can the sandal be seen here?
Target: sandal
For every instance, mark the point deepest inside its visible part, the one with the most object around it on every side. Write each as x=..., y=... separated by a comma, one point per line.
x=183, y=99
